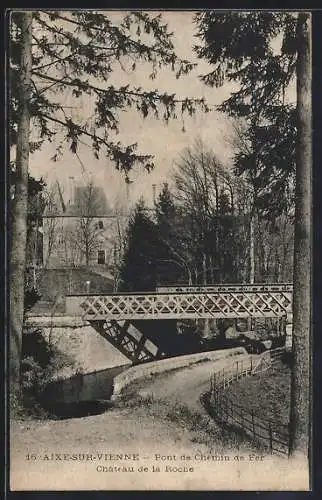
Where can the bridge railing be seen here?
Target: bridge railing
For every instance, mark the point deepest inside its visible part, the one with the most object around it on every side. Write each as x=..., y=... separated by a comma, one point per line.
x=229, y=287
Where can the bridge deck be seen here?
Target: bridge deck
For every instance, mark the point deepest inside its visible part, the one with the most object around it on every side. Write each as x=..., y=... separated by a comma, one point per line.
x=217, y=301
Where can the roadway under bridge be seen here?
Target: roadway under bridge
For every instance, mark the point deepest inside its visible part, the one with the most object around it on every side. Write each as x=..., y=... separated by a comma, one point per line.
x=112, y=315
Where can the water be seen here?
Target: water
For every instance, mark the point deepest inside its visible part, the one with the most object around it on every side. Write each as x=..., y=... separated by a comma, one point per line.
x=82, y=394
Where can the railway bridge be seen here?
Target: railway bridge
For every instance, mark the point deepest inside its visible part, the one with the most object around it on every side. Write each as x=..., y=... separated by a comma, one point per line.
x=113, y=314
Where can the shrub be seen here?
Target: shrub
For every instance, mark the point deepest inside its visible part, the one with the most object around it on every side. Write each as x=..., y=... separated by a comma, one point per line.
x=40, y=363
x=31, y=297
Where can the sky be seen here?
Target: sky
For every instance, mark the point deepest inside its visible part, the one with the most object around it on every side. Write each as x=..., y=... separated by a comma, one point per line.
x=165, y=142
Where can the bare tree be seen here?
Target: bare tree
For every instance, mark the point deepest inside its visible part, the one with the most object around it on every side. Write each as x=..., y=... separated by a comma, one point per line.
x=274, y=249
x=215, y=202
x=69, y=240
x=119, y=239
x=50, y=224
x=89, y=230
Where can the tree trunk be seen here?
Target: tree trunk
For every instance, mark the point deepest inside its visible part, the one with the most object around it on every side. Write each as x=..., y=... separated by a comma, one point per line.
x=204, y=282
x=115, y=268
x=252, y=249
x=19, y=207
x=86, y=255
x=211, y=270
x=250, y=321
x=301, y=383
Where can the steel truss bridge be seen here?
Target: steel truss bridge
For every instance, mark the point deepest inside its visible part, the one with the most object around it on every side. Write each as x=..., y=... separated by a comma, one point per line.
x=112, y=314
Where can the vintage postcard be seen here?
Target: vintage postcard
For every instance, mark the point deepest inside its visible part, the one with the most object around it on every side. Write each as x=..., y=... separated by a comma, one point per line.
x=160, y=243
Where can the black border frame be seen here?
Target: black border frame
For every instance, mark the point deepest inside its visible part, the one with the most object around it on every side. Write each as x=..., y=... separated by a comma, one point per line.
x=316, y=451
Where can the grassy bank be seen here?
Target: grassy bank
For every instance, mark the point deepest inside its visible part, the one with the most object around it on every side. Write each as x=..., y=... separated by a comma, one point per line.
x=267, y=394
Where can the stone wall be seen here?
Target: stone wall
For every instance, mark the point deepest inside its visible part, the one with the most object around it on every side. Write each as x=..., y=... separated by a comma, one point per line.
x=88, y=350
x=147, y=369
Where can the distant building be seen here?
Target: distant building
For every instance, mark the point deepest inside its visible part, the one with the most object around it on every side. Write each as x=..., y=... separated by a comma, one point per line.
x=82, y=231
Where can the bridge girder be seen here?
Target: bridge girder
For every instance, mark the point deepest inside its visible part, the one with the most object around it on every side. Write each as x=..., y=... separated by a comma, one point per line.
x=245, y=301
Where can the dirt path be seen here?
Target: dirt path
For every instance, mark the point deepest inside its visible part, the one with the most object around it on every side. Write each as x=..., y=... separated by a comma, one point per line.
x=183, y=386
x=38, y=449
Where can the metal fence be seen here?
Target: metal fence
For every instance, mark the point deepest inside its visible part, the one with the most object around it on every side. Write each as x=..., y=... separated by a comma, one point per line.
x=227, y=411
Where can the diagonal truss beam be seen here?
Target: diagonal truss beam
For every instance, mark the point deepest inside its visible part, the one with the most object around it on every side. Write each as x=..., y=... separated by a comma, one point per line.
x=133, y=347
